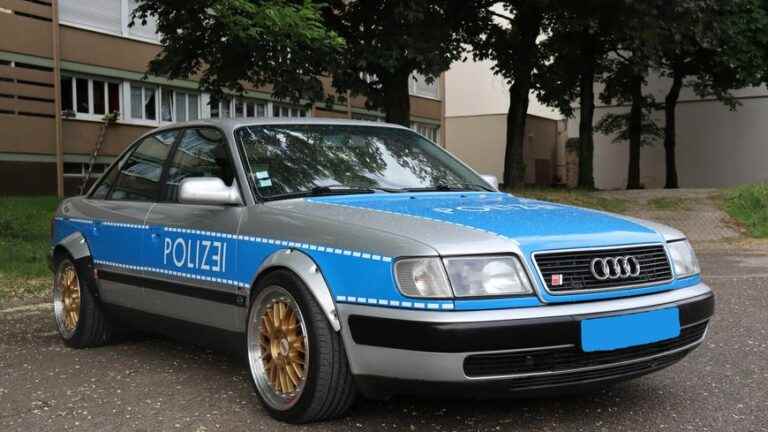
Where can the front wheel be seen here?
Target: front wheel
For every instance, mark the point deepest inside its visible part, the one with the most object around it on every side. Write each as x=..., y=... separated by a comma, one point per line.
x=297, y=361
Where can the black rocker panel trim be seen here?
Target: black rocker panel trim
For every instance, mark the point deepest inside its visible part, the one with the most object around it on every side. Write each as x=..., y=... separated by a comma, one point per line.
x=174, y=288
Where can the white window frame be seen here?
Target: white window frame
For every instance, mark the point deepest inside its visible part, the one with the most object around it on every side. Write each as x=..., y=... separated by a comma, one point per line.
x=129, y=108
x=91, y=115
x=414, y=92
x=427, y=130
x=84, y=170
x=125, y=20
x=290, y=108
x=186, y=94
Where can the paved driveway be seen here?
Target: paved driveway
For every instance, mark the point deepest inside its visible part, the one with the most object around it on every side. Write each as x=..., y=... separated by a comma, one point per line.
x=151, y=384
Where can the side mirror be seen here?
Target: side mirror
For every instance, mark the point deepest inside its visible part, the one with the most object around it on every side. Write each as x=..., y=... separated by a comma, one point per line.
x=208, y=190
x=491, y=180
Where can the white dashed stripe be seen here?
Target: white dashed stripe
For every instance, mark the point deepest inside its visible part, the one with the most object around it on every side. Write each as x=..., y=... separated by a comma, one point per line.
x=174, y=273
x=124, y=225
x=84, y=221
x=394, y=303
x=286, y=243
x=469, y=227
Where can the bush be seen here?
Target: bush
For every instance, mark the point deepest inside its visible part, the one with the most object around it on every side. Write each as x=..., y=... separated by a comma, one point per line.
x=749, y=205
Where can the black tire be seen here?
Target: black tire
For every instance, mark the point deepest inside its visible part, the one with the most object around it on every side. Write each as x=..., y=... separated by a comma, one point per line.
x=93, y=327
x=329, y=389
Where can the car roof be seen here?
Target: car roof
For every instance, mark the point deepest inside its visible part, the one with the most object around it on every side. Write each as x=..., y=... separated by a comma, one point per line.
x=229, y=125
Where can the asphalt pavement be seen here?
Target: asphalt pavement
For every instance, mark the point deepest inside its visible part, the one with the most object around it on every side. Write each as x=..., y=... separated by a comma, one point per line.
x=155, y=384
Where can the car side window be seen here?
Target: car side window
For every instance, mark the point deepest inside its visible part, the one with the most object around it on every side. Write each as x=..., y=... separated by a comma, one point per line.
x=202, y=152
x=102, y=190
x=139, y=177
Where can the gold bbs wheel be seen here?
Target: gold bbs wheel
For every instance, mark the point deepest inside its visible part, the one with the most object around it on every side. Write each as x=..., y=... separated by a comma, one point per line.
x=278, y=348
x=66, y=298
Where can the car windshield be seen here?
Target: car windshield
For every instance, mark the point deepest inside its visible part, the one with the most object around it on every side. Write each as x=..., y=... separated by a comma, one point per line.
x=299, y=160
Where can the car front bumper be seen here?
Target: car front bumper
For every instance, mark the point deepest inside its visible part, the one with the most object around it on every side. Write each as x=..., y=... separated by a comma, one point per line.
x=509, y=351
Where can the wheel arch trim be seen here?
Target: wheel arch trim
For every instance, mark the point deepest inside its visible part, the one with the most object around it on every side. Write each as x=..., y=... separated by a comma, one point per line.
x=309, y=272
x=76, y=245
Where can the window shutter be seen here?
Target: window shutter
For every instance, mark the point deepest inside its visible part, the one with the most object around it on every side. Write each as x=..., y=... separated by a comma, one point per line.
x=99, y=14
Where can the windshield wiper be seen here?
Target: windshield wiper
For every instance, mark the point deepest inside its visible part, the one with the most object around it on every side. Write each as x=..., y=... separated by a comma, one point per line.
x=454, y=187
x=324, y=191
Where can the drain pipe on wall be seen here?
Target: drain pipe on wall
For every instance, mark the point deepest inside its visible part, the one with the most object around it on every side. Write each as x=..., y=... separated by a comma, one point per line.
x=57, y=97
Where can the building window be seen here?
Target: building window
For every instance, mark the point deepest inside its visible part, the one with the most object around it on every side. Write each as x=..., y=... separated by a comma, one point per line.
x=286, y=111
x=253, y=108
x=109, y=16
x=143, y=102
x=419, y=87
x=187, y=106
x=80, y=169
x=367, y=117
x=431, y=132
x=89, y=98
x=238, y=107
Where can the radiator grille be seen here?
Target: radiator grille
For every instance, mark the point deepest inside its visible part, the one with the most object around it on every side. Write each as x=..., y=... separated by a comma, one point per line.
x=571, y=271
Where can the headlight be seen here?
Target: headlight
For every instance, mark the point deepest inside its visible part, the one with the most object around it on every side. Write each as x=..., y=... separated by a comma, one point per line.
x=487, y=276
x=422, y=277
x=683, y=258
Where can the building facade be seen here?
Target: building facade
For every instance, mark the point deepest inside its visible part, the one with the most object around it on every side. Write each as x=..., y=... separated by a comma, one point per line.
x=103, y=62
x=716, y=146
x=476, y=105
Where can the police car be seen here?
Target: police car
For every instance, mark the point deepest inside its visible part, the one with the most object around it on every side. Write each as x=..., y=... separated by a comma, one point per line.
x=351, y=258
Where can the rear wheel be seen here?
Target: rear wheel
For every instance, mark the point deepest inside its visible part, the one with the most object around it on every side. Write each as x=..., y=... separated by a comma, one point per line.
x=297, y=361
x=79, y=319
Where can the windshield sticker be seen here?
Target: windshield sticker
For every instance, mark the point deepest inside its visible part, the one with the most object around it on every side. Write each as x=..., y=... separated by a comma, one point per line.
x=262, y=175
x=265, y=183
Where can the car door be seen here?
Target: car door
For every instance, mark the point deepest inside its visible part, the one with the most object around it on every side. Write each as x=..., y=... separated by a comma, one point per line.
x=191, y=249
x=119, y=205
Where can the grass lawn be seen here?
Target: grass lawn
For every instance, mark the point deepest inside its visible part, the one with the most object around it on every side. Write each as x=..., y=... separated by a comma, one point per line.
x=749, y=206
x=24, y=236
x=576, y=197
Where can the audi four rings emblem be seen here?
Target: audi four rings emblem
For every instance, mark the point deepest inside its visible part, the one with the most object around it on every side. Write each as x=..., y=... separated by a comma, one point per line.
x=622, y=267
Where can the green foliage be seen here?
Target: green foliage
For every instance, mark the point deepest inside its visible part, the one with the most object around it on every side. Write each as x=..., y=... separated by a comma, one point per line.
x=618, y=126
x=388, y=40
x=749, y=205
x=24, y=235
x=280, y=43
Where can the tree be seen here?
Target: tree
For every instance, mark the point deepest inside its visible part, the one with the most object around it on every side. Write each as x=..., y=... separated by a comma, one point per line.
x=389, y=40
x=627, y=67
x=576, y=52
x=511, y=42
x=711, y=47
x=228, y=43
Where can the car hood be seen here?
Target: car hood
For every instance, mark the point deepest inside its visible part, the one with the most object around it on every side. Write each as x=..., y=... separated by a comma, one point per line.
x=475, y=222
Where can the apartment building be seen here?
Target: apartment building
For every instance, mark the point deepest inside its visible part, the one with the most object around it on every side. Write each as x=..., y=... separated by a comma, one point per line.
x=476, y=126
x=102, y=64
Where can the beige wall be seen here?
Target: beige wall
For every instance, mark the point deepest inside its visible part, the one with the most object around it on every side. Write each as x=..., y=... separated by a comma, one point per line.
x=480, y=141
x=716, y=147
x=471, y=88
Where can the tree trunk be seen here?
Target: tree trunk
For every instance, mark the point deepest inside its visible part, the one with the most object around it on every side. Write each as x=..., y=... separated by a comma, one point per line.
x=397, y=98
x=514, y=163
x=528, y=24
x=586, y=119
x=635, y=132
x=670, y=104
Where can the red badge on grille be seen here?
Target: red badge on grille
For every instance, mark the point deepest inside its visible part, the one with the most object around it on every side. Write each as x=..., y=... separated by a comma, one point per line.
x=557, y=280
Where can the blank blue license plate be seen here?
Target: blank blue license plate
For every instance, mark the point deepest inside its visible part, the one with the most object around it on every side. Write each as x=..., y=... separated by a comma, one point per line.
x=616, y=332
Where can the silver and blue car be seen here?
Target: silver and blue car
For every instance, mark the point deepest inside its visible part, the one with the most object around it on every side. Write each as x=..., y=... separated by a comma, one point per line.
x=353, y=258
